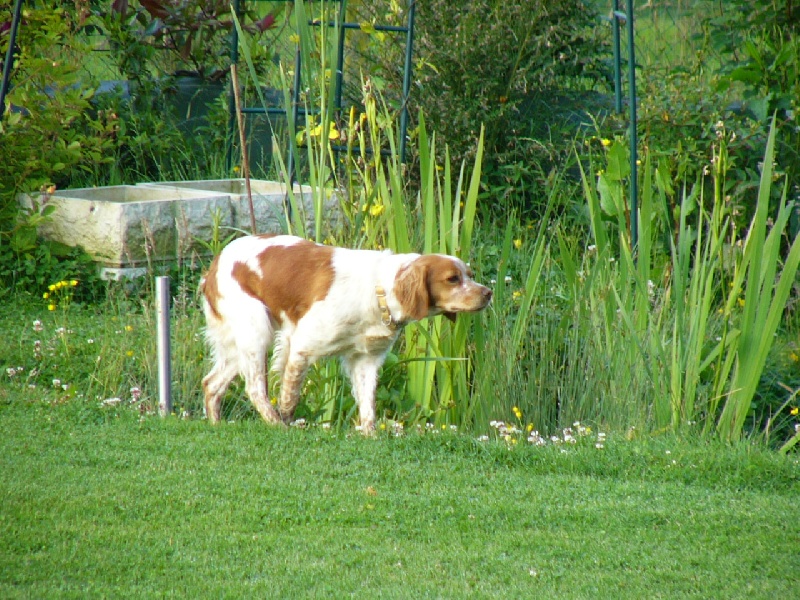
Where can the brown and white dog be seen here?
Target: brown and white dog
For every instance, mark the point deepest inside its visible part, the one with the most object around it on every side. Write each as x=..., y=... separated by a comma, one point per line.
x=313, y=301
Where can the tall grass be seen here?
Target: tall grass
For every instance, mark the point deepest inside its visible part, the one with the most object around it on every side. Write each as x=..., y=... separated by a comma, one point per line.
x=702, y=331
x=668, y=335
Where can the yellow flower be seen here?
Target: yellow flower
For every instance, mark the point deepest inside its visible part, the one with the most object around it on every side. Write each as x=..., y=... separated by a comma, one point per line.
x=294, y=38
x=740, y=301
x=529, y=428
x=46, y=295
x=333, y=134
x=516, y=295
x=73, y=282
x=794, y=356
x=51, y=307
x=795, y=411
x=52, y=287
x=605, y=142
x=517, y=412
x=129, y=353
x=376, y=210
x=128, y=327
x=517, y=244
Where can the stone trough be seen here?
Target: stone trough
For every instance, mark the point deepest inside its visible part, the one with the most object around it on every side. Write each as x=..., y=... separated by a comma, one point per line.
x=128, y=228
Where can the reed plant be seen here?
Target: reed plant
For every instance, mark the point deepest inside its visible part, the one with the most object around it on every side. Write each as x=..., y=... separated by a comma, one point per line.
x=699, y=317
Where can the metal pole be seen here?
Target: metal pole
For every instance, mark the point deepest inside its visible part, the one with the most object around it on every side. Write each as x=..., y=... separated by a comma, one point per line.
x=407, y=79
x=12, y=42
x=231, y=99
x=617, y=59
x=634, y=141
x=164, y=361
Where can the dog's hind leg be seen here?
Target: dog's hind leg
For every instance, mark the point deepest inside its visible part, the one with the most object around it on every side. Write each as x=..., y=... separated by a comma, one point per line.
x=292, y=383
x=253, y=338
x=215, y=384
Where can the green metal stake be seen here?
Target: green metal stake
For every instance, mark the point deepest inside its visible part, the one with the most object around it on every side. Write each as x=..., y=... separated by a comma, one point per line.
x=633, y=138
x=616, y=17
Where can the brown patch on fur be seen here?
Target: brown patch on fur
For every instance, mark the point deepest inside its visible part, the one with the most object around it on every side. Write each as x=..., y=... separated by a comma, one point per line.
x=209, y=287
x=292, y=278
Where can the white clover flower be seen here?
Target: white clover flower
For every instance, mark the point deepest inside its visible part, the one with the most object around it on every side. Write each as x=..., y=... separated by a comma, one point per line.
x=483, y=438
x=37, y=325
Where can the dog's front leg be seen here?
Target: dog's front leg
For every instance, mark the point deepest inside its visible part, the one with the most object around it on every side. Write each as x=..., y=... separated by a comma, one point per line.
x=292, y=384
x=363, y=372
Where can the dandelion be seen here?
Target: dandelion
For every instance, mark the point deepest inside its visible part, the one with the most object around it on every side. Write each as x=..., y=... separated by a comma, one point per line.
x=518, y=244
x=605, y=142
x=128, y=328
x=795, y=411
x=129, y=354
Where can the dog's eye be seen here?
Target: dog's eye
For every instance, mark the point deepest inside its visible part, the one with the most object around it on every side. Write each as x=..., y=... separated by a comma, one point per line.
x=454, y=279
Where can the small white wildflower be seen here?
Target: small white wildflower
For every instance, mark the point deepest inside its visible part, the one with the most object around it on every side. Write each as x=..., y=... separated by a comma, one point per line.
x=599, y=446
x=11, y=371
x=508, y=279
x=299, y=423
x=326, y=426
x=56, y=383
x=111, y=401
x=37, y=325
x=483, y=438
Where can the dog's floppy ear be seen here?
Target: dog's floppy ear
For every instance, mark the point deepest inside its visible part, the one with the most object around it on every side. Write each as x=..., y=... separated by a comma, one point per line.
x=411, y=290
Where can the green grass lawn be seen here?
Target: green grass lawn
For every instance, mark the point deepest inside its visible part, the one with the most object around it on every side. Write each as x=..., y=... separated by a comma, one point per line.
x=98, y=502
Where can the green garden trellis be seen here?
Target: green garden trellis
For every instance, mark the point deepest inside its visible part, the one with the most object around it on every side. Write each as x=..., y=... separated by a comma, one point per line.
x=627, y=17
x=297, y=110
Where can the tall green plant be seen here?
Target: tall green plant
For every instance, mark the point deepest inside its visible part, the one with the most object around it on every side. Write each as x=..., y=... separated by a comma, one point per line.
x=702, y=345
x=766, y=289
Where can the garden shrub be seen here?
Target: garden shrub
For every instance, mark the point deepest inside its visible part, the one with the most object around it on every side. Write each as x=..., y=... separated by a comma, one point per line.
x=745, y=69
x=504, y=65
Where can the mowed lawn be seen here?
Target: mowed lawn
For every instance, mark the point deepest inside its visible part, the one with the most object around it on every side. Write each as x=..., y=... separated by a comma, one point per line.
x=100, y=503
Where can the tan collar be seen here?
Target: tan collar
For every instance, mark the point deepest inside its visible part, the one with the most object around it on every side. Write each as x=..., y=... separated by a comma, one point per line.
x=386, y=315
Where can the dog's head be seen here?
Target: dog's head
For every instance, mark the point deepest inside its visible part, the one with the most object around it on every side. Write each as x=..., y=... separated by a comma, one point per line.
x=438, y=284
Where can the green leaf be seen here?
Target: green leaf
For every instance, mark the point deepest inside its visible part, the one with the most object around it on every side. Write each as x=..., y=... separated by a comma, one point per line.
x=619, y=166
